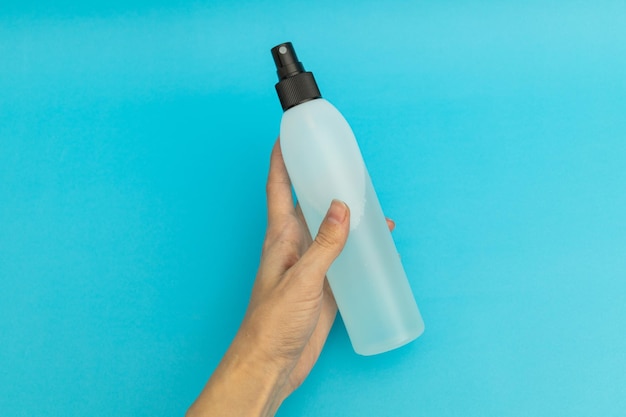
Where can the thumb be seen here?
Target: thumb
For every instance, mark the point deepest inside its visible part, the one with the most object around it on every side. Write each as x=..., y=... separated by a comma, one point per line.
x=330, y=240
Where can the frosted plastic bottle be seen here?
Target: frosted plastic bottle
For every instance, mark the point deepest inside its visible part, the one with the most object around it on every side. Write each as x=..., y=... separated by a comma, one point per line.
x=324, y=163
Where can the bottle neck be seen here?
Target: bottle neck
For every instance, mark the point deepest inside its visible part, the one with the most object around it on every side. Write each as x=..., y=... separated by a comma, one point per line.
x=297, y=89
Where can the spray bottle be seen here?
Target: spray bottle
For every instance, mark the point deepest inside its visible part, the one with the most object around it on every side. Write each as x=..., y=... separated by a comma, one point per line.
x=324, y=163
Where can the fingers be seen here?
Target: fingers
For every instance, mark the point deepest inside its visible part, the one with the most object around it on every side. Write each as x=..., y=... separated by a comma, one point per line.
x=279, y=199
x=329, y=242
x=391, y=224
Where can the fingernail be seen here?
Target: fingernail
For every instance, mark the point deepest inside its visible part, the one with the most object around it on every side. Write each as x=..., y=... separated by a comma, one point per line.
x=337, y=212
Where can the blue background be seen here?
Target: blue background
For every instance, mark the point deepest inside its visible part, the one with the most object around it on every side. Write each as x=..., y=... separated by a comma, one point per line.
x=134, y=146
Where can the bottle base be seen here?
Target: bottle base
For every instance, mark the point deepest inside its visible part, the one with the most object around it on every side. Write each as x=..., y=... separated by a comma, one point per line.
x=392, y=344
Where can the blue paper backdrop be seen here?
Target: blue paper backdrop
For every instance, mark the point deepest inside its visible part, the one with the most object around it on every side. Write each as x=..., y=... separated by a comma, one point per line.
x=134, y=144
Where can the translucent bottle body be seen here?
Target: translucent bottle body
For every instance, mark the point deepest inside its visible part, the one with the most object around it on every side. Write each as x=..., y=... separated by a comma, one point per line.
x=367, y=279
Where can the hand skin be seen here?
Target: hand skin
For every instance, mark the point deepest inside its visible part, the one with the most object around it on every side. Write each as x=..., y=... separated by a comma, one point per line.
x=290, y=313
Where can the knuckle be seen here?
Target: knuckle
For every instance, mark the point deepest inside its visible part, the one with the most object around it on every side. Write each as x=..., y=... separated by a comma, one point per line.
x=290, y=254
x=282, y=248
x=326, y=239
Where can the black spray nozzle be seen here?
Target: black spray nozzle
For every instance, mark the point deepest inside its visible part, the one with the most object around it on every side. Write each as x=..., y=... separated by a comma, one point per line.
x=286, y=60
x=295, y=85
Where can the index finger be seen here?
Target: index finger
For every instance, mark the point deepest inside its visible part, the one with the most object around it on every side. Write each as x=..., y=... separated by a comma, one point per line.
x=278, y=189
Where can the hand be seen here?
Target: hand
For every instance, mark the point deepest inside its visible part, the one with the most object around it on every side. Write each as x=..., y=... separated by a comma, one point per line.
x=290, y=313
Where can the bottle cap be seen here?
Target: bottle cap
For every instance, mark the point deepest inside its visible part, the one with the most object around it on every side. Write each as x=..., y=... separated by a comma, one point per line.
x=295, y=85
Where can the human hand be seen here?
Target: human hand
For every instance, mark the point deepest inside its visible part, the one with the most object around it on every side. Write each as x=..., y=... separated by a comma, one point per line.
x=290, y=313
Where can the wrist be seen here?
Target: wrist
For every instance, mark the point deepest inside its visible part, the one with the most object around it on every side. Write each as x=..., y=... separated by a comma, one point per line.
x=245, y=383
x=262, y=378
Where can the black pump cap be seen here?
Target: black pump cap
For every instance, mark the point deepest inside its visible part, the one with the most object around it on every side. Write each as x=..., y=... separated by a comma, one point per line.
x=286, y=60
x=295, y=85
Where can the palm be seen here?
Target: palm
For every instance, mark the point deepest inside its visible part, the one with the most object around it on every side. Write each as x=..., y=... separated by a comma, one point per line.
x=327, y=313
x=323, y=314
